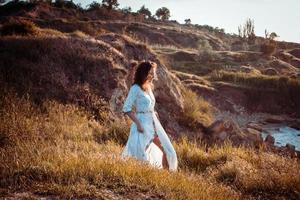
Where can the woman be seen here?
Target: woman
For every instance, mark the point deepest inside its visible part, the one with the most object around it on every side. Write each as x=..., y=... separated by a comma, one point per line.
x=147, y=139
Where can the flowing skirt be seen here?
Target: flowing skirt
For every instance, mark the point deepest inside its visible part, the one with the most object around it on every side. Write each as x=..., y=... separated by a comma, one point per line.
x=140, y=145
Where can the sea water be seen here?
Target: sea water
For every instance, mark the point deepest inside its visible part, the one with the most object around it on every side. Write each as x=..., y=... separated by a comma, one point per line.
x=284, y=135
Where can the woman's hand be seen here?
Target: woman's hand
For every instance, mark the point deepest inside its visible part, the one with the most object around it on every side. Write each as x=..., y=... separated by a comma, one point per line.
x=140, y=128
x=136, y=121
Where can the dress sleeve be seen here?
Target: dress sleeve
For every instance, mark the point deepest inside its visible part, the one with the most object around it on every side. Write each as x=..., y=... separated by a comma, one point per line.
x=129, y=101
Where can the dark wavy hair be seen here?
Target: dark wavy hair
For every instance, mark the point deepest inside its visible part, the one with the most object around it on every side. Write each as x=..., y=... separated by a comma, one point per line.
x=142, y=72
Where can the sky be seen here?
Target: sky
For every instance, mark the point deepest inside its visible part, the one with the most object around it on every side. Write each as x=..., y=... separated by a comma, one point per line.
x=279, y=16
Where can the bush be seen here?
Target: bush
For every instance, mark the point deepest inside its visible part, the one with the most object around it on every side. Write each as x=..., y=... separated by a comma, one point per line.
x=67, y=4
x=94, y=6
x=19, y=27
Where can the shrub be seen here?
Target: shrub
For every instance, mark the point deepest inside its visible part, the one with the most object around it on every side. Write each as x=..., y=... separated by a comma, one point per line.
x=203, y=45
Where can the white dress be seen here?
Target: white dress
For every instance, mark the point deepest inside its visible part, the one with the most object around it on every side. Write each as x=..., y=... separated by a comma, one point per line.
x=140, y=145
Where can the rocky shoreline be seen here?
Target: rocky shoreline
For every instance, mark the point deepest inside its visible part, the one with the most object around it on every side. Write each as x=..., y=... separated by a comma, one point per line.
x=250, y=134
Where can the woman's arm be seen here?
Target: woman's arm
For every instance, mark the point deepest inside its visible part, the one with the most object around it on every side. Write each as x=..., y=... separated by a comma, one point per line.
x=132, y=116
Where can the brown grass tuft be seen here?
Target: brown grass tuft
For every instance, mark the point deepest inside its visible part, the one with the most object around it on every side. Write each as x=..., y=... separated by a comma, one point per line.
x=196, y=109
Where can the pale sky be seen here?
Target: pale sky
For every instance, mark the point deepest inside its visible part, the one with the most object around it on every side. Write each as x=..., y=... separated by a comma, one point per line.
x=280, y=16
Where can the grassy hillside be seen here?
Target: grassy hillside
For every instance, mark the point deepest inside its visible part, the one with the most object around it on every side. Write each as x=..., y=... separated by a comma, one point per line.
x=64, y=74
x=58, y=150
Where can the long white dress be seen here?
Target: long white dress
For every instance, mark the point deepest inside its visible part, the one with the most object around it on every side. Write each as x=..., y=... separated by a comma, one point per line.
x=140, y=145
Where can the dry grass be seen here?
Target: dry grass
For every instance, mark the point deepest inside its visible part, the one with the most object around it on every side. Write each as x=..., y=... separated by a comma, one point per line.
x=256, y=173
x=18, y=27
x=79, y=34
x=196, y=109
x=169, y=49
x=285, y=90
x=257, y=81
x=194, y=158
x=57, y=148
x=54, y=151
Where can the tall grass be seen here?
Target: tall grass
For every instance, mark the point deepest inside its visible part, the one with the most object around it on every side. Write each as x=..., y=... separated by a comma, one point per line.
x=196, y=109
x=254, y=173
x=55, y=149
x=52, y=149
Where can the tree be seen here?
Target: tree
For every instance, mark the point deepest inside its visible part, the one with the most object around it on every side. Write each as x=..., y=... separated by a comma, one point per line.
x=163, y=13
x=110, y=4
x=94, y=6
x=145, y=11
x=273, y=35
x=187, y=21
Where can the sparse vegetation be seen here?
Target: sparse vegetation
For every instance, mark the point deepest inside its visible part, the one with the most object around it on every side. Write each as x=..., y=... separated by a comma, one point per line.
x=247, y=32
